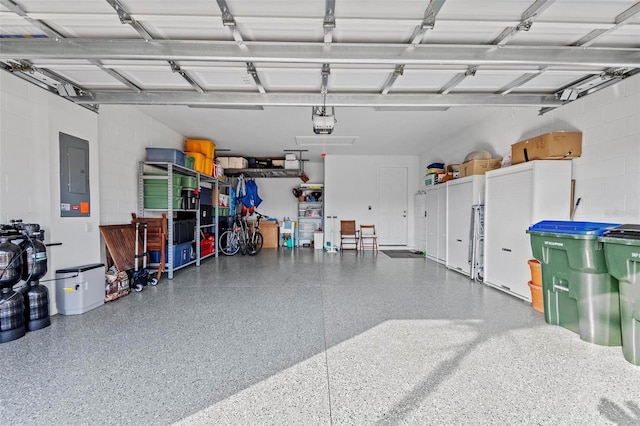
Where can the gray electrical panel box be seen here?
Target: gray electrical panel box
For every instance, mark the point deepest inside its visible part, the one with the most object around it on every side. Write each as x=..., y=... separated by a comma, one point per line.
x=75, y=196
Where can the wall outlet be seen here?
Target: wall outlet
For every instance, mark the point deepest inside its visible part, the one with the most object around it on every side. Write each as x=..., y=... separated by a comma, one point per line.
x=88, y=227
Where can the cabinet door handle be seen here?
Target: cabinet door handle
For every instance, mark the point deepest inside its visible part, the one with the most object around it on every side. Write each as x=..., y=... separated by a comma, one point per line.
x=506, y=249
x=458, y=240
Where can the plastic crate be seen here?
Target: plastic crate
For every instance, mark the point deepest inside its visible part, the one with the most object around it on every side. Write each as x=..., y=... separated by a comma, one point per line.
x=177, y=179
x=189, y=161
x=189, y=182
x=208, y=166
x=205, y=147
x=160, y=202
x=199, y=158
x=160, y=190
x=166, y=155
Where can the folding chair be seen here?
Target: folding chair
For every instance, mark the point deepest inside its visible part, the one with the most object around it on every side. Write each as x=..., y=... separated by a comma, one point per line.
x=368, y=238
x=349, y=235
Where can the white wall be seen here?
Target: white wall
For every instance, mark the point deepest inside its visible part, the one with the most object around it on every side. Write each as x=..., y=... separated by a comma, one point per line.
x=124, y=132
x=607, y=173
x=352, y=185
x=30, y=122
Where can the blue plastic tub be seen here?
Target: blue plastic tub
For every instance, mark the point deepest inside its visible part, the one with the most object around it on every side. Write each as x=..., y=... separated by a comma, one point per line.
x=166, y=155
x=181, y=255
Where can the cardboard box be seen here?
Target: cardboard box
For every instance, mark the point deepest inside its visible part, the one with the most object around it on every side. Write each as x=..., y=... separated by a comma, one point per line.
x=478, y=167
x=270, y=232
x=550, y=146
x=237, y=163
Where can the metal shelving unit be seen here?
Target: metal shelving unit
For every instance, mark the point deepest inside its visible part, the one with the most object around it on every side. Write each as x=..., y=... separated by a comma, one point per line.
x=265, y=173
x=310, y=213
x=170, y=170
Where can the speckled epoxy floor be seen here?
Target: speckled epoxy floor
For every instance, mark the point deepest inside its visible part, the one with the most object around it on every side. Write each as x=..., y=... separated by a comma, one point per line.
x=304, y=337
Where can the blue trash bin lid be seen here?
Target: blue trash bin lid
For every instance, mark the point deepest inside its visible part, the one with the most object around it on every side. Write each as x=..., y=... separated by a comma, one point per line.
x=572, y=228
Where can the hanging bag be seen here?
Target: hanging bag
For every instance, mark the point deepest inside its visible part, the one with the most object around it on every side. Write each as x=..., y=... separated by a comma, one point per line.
x=251, y=199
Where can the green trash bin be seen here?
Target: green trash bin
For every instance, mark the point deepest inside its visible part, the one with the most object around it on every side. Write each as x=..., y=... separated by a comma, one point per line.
x=622, y=253
x=579, y=294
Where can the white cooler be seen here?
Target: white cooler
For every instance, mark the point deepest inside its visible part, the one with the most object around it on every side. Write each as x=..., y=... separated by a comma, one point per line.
x=80, y=288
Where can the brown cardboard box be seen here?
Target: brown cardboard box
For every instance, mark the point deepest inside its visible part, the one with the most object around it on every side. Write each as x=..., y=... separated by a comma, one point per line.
x=270, y=233
x=550, y=146
x=478, y=167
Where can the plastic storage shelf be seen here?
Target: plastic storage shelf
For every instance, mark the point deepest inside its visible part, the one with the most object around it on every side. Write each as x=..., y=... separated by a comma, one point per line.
x=579, y=294
x=166, y=172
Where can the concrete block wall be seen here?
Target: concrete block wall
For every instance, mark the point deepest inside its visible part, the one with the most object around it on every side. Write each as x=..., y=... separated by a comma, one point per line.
x=607, y=173
x=124, y=133
x=30, y=122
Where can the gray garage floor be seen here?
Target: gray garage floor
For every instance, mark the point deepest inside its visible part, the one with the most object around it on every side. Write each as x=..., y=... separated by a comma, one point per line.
x=303, y=337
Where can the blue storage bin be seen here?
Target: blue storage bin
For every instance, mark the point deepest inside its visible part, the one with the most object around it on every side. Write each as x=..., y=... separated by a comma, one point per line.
x=181, y=254
x=166, y=155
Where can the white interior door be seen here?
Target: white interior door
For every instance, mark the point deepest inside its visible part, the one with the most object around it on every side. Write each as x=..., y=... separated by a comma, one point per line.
x=394, y=220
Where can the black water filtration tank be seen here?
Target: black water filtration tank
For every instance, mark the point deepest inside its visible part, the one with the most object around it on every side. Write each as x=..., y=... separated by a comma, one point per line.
x=36, y=296
x=11, y=302
x=10, y=263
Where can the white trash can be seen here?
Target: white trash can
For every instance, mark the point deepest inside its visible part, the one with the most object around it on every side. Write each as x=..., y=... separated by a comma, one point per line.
x=318, y=240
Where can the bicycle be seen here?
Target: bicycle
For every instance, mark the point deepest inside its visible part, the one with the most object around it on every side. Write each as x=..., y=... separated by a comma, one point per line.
x=234, y=240
x=255, y=239
x=241, y=238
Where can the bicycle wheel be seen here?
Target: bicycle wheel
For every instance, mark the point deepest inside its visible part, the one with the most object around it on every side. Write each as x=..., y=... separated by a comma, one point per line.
x=256, y=243
x=229, y=244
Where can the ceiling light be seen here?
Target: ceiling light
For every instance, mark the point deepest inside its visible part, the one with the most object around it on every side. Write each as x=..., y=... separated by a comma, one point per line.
x=326, y=140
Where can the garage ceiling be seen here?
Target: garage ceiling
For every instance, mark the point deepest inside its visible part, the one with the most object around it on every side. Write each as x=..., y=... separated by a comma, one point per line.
x=401, y=74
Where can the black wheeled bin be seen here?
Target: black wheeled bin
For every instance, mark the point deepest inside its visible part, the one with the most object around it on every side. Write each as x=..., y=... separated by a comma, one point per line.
x=622, y=253
x=579, y=294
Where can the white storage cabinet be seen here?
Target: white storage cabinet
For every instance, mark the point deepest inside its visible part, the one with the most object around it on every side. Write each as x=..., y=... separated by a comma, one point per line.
x=421, y=221
x=436, y=223
x=517, y=197
x=461, y=195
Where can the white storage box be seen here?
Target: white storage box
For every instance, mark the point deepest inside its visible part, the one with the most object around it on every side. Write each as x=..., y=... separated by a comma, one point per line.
x=238, y=163
x=291, y=164
x=223, y=162
x=80, y=288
